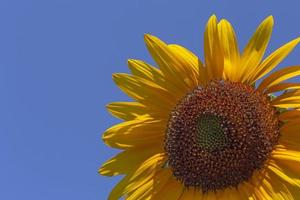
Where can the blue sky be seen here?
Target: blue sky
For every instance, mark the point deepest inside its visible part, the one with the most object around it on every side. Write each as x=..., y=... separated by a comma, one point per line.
x=56, y=62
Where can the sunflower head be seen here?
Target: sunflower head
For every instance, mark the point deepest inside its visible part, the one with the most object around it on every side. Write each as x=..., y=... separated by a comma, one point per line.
x=203, y=130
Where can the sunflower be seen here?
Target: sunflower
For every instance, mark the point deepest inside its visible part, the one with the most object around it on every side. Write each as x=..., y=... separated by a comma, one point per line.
x=219, y=129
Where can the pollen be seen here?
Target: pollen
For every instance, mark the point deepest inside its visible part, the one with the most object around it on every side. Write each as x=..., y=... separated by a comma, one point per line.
x=219, y=135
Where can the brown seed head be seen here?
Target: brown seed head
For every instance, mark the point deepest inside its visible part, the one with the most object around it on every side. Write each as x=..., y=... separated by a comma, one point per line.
x=218, y=135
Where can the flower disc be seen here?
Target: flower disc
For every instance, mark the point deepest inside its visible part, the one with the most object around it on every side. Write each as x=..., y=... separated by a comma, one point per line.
x=218, y=135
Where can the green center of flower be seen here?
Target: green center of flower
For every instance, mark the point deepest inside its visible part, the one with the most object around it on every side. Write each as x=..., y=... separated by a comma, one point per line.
x=210, y=135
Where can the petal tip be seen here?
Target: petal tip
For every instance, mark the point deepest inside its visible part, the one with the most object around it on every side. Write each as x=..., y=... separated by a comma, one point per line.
x=152, y=40
x=105, y=172
x=100, y=170
x=114, y=76
x=213, y=19
x=224, y=23
x=270, y=20
x=213, y=16
x=148, y=37
x=108, y=106
x=130, y=61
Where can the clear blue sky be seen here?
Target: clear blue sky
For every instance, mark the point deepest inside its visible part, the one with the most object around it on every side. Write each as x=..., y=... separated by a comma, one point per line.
x=56, y=61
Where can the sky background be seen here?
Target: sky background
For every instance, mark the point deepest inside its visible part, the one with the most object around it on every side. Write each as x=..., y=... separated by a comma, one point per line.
x=56, y=62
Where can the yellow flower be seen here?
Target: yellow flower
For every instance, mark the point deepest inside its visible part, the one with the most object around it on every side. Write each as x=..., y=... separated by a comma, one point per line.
x=204, y=130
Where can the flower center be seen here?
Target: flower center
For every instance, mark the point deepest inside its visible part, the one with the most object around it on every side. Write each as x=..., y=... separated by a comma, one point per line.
x=210, y=134
x=218, y=135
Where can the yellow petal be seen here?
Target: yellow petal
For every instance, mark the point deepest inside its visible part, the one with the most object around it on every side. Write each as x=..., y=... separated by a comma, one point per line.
x=230, y=49
x=294, y=169
x=289, y=136
x=209, y=196
x=289, y=165
x=259, y=188
x=120, y=165
x=261, y=193
x=172, y=190
x=127, y=110
x=151, y=187
x=147, y=171
x=285, y=154
x=282, y=86
x=191, y=194
x=145, y=91
x=229, y=194
x=246, y=191
x=171, y=65
x=294, y=192
x=203, y=74
x=255, y=49
x=289, y=115
x=198, y=195
x=291, y=126
x=142, y=131
x=142, y=192
x=138, y=177
x=279, y=76
x=290, y=141
x=274, y=186
x=268, y=189
x=143, y=70
x=273, y=60
x=186, y=54
x=290, y=99
x=119, y=190
x=287, y=104
x=213, y=54
x=189, y=62
x=188, y=194
x=290, y=95
x=285, y=175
